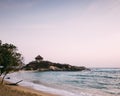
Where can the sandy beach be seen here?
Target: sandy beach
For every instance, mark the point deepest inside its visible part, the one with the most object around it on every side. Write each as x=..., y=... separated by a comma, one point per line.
x=11, y=90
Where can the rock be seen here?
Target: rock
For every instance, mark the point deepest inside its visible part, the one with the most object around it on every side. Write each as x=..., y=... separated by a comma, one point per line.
x=49, y=66
x=7, y=77
x=53, y=68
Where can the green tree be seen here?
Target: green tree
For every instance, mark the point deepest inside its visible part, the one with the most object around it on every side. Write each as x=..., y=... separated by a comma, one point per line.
x=10, y=59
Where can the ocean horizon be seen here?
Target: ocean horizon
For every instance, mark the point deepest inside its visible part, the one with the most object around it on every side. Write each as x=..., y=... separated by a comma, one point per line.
x=97, y=82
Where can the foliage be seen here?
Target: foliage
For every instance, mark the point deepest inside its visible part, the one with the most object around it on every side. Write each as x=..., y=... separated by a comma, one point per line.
x=50, y=66
x=10, y=59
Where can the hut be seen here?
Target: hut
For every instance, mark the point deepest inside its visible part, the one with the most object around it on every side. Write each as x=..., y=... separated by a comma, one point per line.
x=39, y=58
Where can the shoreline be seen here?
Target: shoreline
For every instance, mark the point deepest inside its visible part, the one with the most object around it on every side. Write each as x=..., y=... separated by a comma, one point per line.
x=26, y=91
x=40, y=88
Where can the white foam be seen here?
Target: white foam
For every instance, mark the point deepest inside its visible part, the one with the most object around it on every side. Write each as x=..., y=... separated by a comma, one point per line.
x=14, y=77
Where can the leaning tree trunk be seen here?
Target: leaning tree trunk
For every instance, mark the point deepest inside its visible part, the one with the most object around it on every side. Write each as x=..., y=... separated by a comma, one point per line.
x=3, y=78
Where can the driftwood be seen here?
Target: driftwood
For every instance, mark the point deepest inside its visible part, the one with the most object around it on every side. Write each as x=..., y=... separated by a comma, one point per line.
x=15, y=83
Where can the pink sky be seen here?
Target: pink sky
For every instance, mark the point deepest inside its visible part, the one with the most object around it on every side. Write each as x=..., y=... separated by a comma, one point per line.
x=77, y=32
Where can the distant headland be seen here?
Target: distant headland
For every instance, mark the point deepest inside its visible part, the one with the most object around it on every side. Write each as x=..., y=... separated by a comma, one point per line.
x=40, y=65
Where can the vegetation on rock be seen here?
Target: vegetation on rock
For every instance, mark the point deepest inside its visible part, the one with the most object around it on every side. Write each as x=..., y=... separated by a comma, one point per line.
x=50, y=66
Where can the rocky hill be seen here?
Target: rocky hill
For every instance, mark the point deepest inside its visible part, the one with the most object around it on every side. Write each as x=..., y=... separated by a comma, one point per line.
x=40, y=65
x=49, y=66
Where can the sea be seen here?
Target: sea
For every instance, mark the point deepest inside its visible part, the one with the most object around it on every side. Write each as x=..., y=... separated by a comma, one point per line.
x=96, y=82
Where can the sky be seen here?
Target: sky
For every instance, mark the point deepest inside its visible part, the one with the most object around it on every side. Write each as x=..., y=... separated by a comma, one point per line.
x=76, y=32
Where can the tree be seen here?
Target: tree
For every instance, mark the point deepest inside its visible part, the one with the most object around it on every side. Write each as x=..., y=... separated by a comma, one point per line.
x=10, y=59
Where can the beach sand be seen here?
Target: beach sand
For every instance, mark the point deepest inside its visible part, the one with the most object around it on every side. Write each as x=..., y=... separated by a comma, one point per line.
x=12, y=90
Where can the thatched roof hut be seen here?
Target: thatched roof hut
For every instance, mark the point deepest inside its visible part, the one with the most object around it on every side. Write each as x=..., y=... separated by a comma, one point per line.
x=39, y=58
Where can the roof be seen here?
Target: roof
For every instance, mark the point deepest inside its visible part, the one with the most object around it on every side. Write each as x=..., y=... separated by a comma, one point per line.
x=39, y=57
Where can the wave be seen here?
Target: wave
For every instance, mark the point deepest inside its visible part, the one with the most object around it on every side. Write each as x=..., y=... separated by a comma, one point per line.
x=96, y=76
x=36, y=82
x=37, y=85
x=70, y=83
x=107, y=70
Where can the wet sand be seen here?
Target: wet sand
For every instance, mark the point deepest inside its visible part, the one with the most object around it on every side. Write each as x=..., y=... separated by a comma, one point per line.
x=13, y=90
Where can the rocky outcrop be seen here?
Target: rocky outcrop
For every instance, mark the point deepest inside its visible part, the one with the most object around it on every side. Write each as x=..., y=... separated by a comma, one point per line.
x=49, y=66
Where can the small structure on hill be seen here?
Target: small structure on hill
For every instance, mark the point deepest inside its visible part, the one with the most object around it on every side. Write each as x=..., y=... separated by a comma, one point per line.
x=41, y=65
x=39, y=58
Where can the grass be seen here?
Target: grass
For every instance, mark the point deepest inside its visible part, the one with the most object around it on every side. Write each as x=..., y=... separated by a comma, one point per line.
x=6, y=90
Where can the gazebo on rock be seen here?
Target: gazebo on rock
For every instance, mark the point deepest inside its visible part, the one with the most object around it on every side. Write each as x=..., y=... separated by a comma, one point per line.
x=39, y=58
